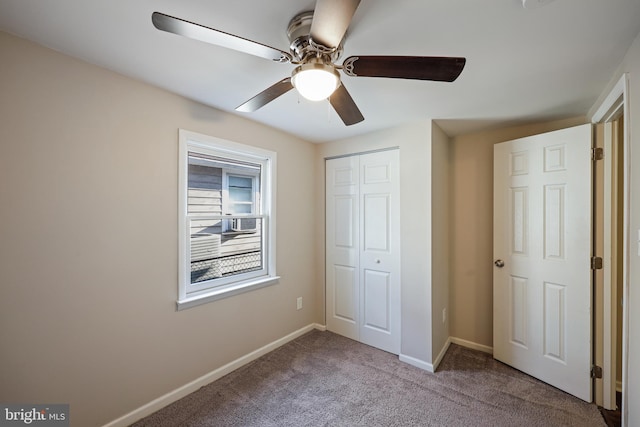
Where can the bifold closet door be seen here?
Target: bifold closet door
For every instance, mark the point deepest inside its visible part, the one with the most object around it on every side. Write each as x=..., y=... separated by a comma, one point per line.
x=363, y=248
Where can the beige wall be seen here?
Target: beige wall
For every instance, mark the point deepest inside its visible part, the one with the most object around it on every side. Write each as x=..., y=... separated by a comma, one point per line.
x=88, y=225
x=471, y=286
x=441, y=168
x=415, y=198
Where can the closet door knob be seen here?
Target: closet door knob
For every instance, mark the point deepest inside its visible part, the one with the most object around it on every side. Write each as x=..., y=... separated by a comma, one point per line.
x=499, y=263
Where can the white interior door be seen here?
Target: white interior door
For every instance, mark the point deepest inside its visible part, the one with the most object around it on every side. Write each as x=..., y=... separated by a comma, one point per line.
x=363, y=248
x=542, y=249
x=342, y=273
x=380, y=250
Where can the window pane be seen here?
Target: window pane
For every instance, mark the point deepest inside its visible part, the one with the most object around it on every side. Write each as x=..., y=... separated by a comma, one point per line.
x=240, y=181
x=216, y=255
x=205, y=256
x=240, y=194
x=240, y=208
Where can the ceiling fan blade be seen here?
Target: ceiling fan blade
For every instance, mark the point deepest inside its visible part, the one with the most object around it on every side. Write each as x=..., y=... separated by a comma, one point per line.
x=266, y=96
x=331, y=18
x=195, y=31
x=344, y=105
x=443, y=69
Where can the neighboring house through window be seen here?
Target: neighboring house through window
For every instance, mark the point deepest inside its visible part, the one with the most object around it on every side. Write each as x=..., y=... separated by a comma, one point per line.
x=226, y=218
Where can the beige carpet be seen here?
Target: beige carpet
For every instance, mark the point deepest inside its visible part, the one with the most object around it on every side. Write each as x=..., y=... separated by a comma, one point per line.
x=323, y=379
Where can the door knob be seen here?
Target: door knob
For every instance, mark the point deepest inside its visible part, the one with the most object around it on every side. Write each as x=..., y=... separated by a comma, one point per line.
x=499, y=263
x=377, y=261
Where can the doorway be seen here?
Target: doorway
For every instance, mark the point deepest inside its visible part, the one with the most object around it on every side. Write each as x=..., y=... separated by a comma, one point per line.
x=611, y=346
x=608, y=289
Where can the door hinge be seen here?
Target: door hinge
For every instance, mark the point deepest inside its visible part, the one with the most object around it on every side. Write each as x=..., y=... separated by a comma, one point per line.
x=597, y=153
x=596, y=371
x=596, y=263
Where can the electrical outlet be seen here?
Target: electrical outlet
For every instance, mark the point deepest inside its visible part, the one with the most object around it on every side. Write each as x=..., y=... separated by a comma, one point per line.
x=299, y=303
x=444, y=315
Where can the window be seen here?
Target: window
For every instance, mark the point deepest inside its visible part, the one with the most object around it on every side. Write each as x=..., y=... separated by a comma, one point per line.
x=240, y=197
x=226, y=219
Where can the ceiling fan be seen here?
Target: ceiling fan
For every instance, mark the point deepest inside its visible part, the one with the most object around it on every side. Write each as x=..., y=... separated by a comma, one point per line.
x=317, y=39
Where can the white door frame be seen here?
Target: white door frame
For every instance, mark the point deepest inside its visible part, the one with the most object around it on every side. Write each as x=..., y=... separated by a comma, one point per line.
x=610, y=108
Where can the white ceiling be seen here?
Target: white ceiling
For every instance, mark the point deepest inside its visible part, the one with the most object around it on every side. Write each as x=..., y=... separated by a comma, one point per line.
x=523, y=65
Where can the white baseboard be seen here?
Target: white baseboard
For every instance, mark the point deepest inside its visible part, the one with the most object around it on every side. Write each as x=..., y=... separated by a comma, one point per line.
x=417, y=363
x=429, y=367
x=472, y=345
x=445, y=347
x=194, y=385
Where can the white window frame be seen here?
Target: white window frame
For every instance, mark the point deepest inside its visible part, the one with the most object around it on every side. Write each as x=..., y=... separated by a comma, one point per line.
x=192, y=295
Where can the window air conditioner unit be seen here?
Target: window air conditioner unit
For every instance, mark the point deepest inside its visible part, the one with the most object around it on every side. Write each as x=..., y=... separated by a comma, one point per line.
x=243, y=224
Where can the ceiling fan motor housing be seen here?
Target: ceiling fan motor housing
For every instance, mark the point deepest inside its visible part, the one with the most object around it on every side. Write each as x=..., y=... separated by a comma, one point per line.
x=302, y=47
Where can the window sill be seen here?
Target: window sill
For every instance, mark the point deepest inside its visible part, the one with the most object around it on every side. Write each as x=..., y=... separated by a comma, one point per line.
x=227, y=291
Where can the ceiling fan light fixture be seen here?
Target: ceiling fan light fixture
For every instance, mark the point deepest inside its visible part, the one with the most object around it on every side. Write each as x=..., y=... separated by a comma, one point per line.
x=315, y=80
